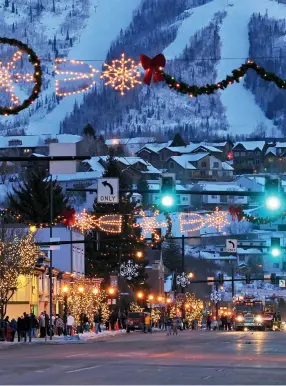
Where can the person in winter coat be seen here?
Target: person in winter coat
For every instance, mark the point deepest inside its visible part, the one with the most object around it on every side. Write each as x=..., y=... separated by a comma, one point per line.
x=60, y=325
x=169, y=326
x=34, y=326
x=13, y=326
x=97, y=321
x=27, y=327
x=20, y=328
x=209, y=322
x=70, y=324
x=42, y=325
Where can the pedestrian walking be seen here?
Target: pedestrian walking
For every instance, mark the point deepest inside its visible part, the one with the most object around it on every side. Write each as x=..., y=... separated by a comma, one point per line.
x=97, y=321
x=34, y=326
x=13, y=326
x=175, y=325
x=169, y=326
x=70, y=323
x=60, y=325
x=27, y=327
x=20, y=328
x=147, y=322
x=228, y=321
x=209, y=322
x=42, y=325
x=215, y=324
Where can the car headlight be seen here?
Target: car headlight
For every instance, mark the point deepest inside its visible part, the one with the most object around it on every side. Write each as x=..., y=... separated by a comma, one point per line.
x=239, y=318
x=258, y=319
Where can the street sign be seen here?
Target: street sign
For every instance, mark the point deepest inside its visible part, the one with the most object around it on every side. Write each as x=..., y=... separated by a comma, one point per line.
x=231, y=245
x=108, y=190
x=282, y=283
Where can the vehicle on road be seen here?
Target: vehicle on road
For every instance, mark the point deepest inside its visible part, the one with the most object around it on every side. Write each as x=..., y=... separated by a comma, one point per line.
x=136, y=321
x=249, y=314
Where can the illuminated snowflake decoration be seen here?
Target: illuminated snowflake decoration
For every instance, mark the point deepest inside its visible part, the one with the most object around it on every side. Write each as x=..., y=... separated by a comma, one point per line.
x=183, y=280
x=122, y=74
x=8, y=77
x=215, y=296
x=129, y=270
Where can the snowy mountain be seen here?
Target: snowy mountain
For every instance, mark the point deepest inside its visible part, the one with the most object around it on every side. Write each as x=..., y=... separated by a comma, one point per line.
x=203, y=41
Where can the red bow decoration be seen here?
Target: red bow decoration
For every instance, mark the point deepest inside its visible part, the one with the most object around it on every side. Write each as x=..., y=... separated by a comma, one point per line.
x=69, y=217
x=153, y=67
x=236, y=212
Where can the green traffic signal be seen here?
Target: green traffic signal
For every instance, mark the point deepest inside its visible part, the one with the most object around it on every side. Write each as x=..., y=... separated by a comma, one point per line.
x=167, y=200
x=273, y=203
x=275, y=252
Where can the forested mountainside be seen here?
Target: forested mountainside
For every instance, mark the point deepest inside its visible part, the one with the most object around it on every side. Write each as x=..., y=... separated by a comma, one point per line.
x=203, y=40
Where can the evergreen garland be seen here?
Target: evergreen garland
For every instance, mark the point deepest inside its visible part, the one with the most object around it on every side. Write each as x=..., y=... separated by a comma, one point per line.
x=237, y=75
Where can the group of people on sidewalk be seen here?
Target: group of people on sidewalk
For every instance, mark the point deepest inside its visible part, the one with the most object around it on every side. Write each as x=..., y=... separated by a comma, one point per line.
x=28, y=326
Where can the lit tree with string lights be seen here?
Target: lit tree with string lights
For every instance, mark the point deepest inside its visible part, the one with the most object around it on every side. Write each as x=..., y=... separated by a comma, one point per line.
x=18, y=256
x=106, y=258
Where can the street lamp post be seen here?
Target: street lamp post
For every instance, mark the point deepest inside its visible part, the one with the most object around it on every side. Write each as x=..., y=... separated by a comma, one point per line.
x=51, y=260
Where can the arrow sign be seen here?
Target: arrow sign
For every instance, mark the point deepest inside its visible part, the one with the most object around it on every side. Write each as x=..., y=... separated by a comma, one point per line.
x=108, y=190
x=231, y=245
x=106, y=183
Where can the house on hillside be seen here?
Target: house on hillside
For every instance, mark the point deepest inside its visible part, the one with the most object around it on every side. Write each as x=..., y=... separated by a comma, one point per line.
x=248, y=157
x=224, y=146
x=151, y=153
x=129, y=146
x=210, y=201
x=196, y=166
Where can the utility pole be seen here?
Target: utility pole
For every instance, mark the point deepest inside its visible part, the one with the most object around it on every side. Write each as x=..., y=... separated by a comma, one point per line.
x=232, y=281
x=183, y=258
x=51, y=259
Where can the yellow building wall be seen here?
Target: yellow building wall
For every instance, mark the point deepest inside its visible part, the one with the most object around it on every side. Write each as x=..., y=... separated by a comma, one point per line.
x=26, y=297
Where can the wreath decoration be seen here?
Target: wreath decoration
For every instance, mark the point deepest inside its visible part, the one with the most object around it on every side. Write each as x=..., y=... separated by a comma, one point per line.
x=37, y=76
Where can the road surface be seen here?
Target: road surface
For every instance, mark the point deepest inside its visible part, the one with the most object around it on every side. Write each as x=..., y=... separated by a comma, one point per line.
x=192, y=357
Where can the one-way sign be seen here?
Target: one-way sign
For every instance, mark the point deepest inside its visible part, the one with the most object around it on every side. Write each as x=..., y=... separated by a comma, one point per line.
x=108, y=190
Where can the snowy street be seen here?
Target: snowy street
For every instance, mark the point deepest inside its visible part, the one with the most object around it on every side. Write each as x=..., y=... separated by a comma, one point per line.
x=192, y=357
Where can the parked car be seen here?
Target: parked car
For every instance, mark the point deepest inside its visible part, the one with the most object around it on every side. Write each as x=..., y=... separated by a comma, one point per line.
x=135, y=321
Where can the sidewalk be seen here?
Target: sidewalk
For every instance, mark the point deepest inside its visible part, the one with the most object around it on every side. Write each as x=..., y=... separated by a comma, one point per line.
x=77, y=338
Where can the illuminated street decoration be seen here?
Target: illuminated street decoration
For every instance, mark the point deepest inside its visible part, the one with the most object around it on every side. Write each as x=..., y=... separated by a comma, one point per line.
x=191, y=222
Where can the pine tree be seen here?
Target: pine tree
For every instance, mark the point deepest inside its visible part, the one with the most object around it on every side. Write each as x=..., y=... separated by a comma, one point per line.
x=178, y=141
x=104, y=259
x=88, y=131
x=6, y=3
x=172, y=255
x=143, y=185
x=32, y=198
x=13, y=7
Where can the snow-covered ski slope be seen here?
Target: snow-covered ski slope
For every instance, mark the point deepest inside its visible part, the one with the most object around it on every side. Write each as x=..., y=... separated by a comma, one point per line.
x=241, y=109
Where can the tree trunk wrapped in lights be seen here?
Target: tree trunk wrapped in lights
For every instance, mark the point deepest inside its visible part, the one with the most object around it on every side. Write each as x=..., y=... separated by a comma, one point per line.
x=18, y=256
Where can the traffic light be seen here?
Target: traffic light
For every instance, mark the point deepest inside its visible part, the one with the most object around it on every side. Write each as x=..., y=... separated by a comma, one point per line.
x=273, y=200
x=273, y=278
x=275, y=249
x=247, y=278
x=220, y=278
x=168, y=192
x=156, y=239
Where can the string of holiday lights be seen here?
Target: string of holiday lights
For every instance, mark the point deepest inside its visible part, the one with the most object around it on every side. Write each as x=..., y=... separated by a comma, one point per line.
x=7, y=78
x=122, y=74
x=237, y=212
x=150, y=224
x=155, y=67
x=192, y=222
x=73, y=76
x=111, y=223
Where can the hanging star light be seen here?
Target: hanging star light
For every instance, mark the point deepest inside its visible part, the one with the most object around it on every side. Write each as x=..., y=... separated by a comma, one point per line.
x=61, y=68
x=191, y=222
x=122, y=74
x=129, y=270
